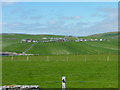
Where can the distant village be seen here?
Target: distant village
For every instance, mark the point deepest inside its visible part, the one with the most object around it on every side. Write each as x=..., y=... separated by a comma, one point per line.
x=60, y=39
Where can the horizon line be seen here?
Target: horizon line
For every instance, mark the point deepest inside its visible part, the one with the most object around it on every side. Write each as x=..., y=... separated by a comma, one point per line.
x=57, y=34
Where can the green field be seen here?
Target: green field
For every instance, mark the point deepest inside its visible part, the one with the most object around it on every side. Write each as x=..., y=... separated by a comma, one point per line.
x=54, y=48
x=85, y=64
x=81, y=71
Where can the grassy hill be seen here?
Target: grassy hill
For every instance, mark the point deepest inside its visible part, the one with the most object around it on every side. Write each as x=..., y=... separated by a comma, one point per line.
x=11, y=43
x=9, y=39
x=110, y=35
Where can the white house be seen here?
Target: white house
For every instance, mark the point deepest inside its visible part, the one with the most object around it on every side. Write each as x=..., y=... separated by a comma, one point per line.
x=28, y=40
x=44, y=38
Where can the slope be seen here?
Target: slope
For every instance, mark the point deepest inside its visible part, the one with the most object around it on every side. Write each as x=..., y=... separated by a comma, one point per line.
x=11, y=43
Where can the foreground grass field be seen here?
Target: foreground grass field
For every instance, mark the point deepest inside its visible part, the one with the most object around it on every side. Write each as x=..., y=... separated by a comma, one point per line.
x=81, y=71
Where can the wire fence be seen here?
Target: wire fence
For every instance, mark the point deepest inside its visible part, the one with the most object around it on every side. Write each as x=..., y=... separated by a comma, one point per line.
x=63, y=58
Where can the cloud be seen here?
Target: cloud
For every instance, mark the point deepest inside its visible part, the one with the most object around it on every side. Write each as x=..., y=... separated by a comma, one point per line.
x=36, y=17
x=23, y=13
x=108, y=10
x=103, y=26
x=111, y=13
x=71, y=17
x=109, y=22
x=77, y=17
x=8, y=2
x=1, y=24
x=52, y=22
x=50, y=27
x=23, y=26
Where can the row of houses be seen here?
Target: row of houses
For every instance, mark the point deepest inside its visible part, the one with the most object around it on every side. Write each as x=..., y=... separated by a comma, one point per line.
x=81, y=40
x=61, y=40
x=28, y=40
x=67, y=39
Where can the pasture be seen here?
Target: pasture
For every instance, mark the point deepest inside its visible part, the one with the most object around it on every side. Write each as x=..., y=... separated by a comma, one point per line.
x=81, y=71
x=54, y=48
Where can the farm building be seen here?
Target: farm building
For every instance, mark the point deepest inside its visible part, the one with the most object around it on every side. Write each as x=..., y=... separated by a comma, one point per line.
x=45, y=38
x=103, y=40
x=82, y=40
x=28, y=40
x=61, y=40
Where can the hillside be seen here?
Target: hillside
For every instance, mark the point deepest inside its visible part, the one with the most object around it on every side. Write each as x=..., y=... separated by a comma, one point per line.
x=110, y=35
x=12, y=43
x=9, y=39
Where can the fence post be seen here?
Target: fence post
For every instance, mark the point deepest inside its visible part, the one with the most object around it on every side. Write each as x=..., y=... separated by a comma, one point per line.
x=27, y=58
x=108, y=58
x=63, y=82
x=67, y=58
x=12, y=57
x=85, y=58
x=47, y=58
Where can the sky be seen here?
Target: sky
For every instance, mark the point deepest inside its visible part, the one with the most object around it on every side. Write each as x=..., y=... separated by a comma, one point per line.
x=59, y=18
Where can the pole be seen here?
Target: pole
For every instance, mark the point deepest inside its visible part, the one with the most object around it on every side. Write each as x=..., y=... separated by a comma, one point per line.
x=63, y=82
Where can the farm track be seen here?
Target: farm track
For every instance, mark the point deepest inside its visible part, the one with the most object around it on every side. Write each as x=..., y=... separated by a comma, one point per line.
x=29, y=47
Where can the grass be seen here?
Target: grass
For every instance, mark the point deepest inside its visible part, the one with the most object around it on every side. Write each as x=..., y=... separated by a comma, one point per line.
x=19, y=47
x=85, y=64
x=81, y=71
x=107, y=35
x=54, y=48
x=8, y=41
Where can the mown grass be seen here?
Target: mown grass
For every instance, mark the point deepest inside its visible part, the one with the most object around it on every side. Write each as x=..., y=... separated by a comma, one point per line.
x=54, y=48
x=81, y=71
x=19, y=47
x=7, y=41
x=107, y=35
